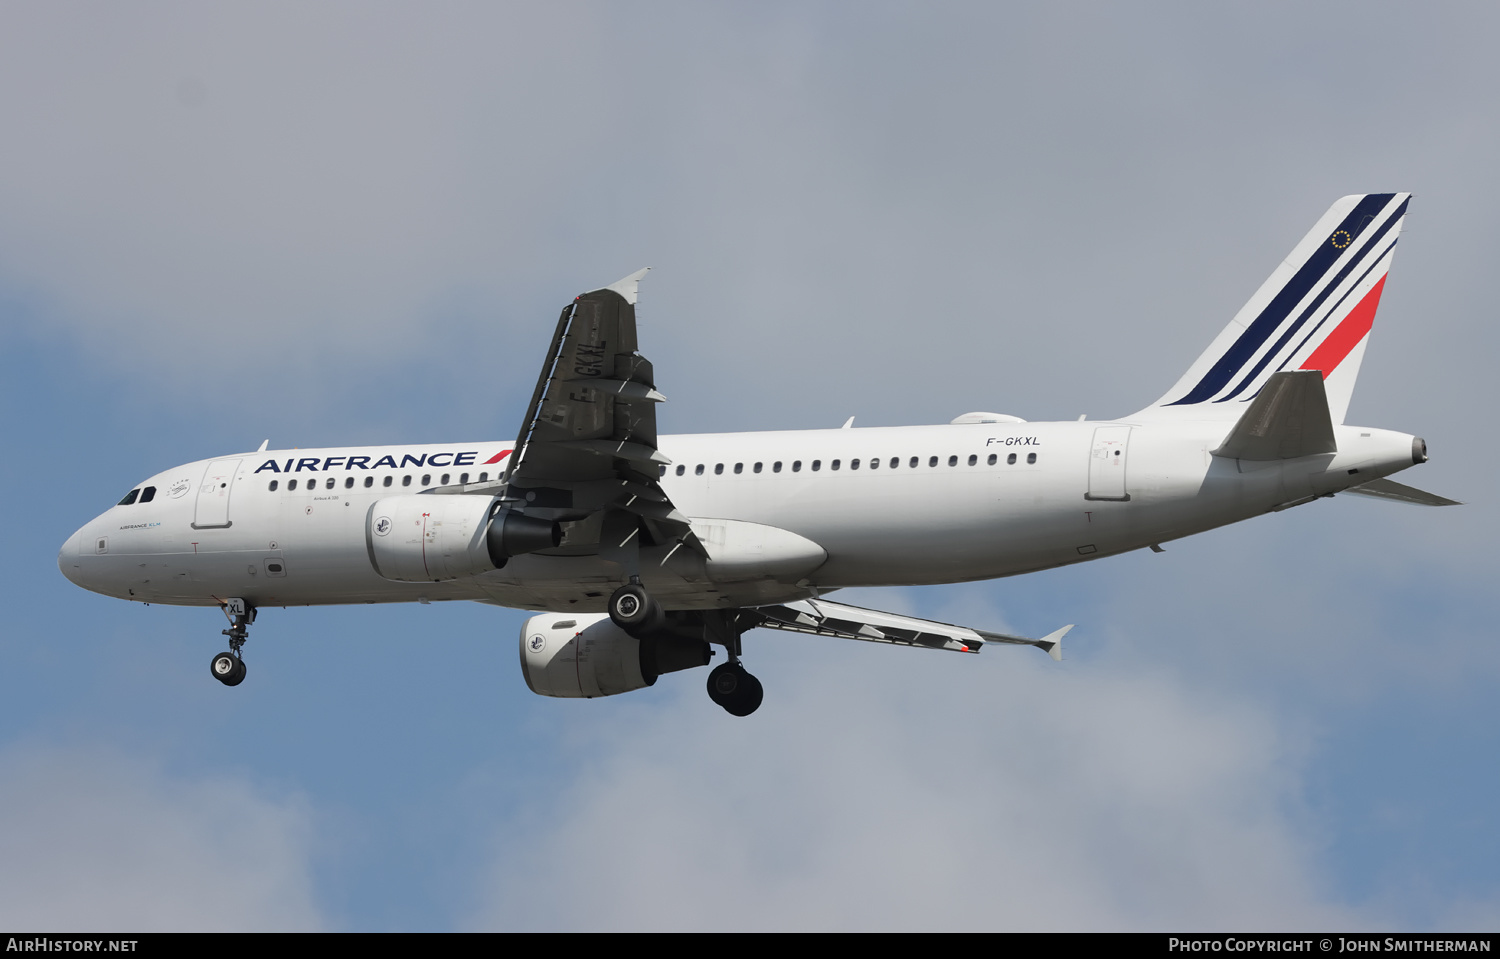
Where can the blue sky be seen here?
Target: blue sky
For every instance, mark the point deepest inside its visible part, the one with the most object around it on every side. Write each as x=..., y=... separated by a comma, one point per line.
x=355, y=224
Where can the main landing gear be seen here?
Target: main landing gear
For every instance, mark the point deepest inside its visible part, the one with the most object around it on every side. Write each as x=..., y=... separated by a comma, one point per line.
x=633, y=610
x=229, y=668
x=730, y=685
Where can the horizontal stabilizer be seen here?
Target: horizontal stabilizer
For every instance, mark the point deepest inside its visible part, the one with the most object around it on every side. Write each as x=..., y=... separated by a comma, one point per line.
x=1389, y=490
x=1287, y=420
x=822, y=618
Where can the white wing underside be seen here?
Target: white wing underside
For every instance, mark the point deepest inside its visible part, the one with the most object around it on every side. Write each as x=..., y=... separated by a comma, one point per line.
x=822, y=618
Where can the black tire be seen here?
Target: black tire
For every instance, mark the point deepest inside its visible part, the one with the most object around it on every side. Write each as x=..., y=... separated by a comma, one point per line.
x=227, y=669
x=747, y=698
x=734, y=689
x=632, y=609
x=723, y=681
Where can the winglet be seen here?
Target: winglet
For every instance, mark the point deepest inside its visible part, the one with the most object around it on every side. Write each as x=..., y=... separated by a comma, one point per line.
x=1052, y=642
x=629, y=285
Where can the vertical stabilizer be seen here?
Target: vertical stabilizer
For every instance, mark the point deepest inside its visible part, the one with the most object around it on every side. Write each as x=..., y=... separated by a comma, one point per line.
x=1313, y=313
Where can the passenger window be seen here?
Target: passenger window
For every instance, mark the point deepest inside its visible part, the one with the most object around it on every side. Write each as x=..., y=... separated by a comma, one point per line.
x=896, y=461
x=1031, y=457
x=718, y=469
x=273, y=486
x=776, y=468
x=698, y=470
x=835, y=464
x=484, y=477
x=291, y=485
x=739, y=468
x=757, y=467
x=991, y=460
x=854, y=464
x=661, y=471
x=973, y=459
x=953, y=461
x=444, y=480
x=1011, y=460
x=406, y=480
x=330, y=483
x=387, y=481
x=129, y=498
x=463, y=479
x=874, y=462
x=932, y=461
x=816, y=465
x=796, y=466
x=369, y=481
x=913, y=463
x=349, y=483
x=426, y=479
x=681, y=470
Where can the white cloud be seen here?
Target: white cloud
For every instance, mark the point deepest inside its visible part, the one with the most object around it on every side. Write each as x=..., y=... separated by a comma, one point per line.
x=102, y=840
x=923, y=796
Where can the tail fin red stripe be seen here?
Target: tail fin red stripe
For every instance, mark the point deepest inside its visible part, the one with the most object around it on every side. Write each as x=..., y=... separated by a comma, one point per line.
x=1331, y=352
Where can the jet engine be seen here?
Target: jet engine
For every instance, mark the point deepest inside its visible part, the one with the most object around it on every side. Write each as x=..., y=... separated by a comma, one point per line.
x=583, y=655
x=428, y=539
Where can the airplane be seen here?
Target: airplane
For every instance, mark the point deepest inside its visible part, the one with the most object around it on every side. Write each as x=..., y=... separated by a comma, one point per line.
x=639, y=553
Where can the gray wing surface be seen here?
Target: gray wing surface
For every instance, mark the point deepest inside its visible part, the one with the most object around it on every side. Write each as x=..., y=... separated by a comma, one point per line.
x=588, y=442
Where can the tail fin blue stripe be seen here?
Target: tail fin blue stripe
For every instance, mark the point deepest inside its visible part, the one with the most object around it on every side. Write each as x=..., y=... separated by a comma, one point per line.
x=1373, y=265
x=1275, y=312
x=1317, y=302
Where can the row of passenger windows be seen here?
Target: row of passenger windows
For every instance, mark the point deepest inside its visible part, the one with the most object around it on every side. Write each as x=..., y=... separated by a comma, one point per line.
x=138, y=496
x=332, y=482
x=873, y=463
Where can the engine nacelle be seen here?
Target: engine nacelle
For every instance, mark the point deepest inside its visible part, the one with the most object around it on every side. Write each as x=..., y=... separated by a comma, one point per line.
x=428, y=539
x=583, y=655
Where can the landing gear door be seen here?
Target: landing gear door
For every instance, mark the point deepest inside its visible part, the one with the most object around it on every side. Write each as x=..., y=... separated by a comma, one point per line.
x=213, y=494
x=1107, y=463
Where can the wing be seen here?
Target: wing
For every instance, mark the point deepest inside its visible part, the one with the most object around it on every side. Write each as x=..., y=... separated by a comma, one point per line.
x=822, y=618
x=588, y=442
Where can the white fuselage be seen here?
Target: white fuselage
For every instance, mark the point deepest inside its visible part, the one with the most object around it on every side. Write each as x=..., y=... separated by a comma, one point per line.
x=925, y=504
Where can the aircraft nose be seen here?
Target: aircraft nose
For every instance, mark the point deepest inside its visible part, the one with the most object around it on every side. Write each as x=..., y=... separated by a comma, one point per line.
x=67, y=558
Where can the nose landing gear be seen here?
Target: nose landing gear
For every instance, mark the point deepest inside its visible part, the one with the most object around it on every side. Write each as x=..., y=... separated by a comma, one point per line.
x=229, y=668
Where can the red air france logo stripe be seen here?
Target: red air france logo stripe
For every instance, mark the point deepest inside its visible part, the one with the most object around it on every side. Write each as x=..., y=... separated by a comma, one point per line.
x=497, y=458
x=1346, y=336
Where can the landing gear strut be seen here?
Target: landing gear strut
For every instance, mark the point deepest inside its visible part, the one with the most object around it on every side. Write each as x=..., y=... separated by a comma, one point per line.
x=229, y=668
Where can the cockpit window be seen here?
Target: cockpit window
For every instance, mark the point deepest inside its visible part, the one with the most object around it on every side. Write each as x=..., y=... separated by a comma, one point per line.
x=148, y=494
x=129, y=498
